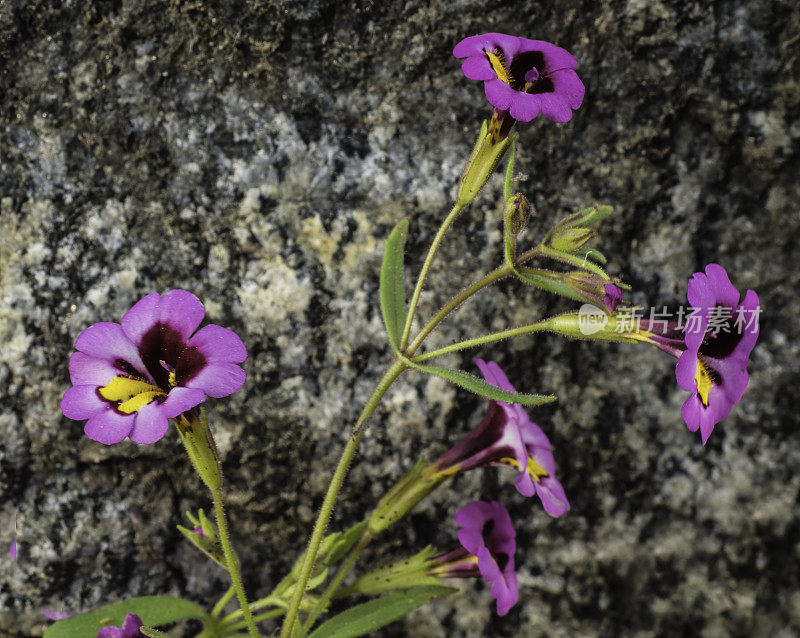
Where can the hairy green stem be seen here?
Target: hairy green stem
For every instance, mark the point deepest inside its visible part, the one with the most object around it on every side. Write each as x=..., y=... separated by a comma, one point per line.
x=423, y=273
x=478, y=341
x=333, y=490
x=329, y=592
x=272, y=613
x=233, y=569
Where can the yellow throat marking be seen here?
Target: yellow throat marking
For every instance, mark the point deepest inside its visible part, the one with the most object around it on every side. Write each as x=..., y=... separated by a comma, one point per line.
x=499, y=65
x=133, y=394
x=704, y=382
x=536, y=471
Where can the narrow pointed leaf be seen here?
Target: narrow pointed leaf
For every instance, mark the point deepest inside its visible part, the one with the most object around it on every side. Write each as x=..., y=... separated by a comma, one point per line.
x=363, y=619
x=153, y=610
x=393, y=301
x=480, y=387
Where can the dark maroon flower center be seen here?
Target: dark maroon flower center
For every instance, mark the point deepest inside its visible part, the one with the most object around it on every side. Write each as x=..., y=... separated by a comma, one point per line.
x=527, y=73
x=163, y=344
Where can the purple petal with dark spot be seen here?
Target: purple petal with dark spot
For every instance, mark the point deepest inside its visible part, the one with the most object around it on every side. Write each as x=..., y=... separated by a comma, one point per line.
x=106, y=340
x=87, y=370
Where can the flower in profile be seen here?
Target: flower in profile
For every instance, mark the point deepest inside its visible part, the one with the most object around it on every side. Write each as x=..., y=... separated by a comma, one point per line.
x=524, y=77
x=488, y=544
x=130, y=629
x=719, y=337
x=507, y=436
x=130, y=378
x=713, y=347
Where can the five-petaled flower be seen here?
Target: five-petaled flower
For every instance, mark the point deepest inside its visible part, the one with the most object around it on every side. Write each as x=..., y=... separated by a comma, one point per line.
x=524, y=77
x=507, y=436
x=713, y=347
x=130, y=628
x=130, y=378
x=488, y=544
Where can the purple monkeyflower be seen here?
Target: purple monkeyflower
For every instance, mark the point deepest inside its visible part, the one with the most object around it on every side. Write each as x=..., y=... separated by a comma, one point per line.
x=507, y=436
x=713, y=347
x=524, y=77
x=130, y=629
x=130, y=378
x=488, y=544
x=12, y=551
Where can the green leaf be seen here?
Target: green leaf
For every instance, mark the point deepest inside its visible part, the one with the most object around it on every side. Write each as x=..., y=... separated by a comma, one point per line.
x=479, y=386
x=393, y=300
x=152, y=633
x=362, y=619
x=153, y=610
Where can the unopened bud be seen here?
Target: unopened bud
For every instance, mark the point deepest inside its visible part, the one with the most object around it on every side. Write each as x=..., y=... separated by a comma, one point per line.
x=517, y=213
x=569, y=240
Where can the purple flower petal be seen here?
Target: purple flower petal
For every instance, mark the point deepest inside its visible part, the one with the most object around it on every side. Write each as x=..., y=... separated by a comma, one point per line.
x=151, y=424
x=555, y=107
x=143, y=316
x=181, y=400
x=554, y=499
x=567, y=83
x=182, y=310
x=476, y=45
x=108, y=427
x=86, y=370
x=219, y=379
x=499, y=94
x=685, y=371
x=12, y=551
x=218, y=344
x=107, y=341
x=82, y=402
x=525, y=107
x=494, y=375
x=478, y=68
x=555, y=58
x=724, y=291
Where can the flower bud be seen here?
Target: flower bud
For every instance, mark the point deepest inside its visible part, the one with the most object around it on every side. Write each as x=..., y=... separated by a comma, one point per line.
x=517, y=213
x=487, y=152
x=569, y=240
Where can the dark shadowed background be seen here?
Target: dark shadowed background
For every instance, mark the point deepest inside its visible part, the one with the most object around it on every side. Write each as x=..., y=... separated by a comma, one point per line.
x=257, y=154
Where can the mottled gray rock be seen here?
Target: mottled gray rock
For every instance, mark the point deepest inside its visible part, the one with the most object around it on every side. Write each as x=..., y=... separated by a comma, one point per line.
x=258, y=153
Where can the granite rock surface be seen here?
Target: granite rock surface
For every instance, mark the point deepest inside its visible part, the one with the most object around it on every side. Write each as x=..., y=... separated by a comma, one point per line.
x=258, y=153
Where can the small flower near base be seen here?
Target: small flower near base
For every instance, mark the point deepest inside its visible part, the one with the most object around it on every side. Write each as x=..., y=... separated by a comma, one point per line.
x=130, y=629
x=130, y=378
x=507, y=436
x=488, y=544
x=524, y=77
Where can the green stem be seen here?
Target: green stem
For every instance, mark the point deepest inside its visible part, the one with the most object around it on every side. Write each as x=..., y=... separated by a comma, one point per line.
x=455, y=302
x=272, y=613
x=222, y=526
x=345, y=568
x=222, y=602
x=495, y=336
x=423, y=273
x=333, y=490
x=254, y=607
